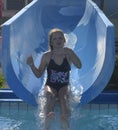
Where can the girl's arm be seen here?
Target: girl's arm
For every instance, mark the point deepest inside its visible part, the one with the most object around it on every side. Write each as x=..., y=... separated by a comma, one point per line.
x=37, y=71
x=74, y=58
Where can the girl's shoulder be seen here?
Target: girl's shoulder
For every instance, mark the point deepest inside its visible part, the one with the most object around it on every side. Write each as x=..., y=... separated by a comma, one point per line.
x=46, y=57
x=47, y=54
x=68, y=50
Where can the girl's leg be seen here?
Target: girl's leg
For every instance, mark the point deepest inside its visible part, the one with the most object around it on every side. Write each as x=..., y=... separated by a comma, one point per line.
x=64, y=105
x=49, y=107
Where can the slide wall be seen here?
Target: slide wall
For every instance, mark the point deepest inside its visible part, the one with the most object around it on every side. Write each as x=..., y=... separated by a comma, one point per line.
x=88, y=32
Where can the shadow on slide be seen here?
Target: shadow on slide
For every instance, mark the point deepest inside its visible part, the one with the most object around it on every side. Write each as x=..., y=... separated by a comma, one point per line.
x=88, y=32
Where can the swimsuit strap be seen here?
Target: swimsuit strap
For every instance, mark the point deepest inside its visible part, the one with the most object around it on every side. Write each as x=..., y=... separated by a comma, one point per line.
x=52, y=56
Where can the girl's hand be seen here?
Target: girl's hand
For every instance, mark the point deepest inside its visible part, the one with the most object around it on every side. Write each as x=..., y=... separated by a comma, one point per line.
x=30, y=60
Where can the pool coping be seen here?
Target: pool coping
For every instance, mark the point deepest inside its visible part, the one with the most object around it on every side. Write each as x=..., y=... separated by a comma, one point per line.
x=106, y=97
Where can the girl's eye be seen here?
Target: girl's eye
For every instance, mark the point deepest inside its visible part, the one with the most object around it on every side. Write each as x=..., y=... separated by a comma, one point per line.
x=60, y=38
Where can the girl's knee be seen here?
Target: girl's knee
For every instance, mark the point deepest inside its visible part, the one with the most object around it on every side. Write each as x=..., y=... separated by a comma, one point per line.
x=50, y=115
x=63, y=99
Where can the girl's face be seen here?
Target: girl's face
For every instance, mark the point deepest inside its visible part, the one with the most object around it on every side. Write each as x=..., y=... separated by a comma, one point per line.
x=57, y=40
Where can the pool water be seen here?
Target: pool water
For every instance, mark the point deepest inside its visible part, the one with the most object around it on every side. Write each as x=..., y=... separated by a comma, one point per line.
x=97, y=121
x=17, y=120
x=88, y=117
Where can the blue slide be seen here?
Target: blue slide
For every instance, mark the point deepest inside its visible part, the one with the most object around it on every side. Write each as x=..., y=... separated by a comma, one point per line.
x=88, y=32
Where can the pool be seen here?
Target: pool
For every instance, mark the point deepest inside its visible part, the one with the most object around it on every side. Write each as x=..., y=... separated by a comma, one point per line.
x=17, y=115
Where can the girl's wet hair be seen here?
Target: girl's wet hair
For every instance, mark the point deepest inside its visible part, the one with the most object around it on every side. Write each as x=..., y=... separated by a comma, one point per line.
x=52, y=31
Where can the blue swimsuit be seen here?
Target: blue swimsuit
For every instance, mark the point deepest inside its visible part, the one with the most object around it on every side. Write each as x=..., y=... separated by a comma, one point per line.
x=58, y=75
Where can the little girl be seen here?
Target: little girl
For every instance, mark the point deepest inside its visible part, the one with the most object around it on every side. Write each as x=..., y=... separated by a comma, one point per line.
x=57, y=61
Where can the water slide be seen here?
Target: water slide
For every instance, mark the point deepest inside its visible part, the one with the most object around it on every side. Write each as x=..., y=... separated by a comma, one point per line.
x=87, y=30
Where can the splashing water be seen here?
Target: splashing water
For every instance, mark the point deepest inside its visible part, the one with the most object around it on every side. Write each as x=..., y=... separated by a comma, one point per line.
x=73, y=101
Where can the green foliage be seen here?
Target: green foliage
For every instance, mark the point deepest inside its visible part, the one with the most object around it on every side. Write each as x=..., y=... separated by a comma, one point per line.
x=2, y=80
